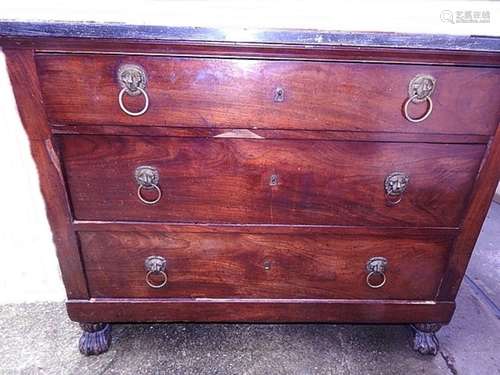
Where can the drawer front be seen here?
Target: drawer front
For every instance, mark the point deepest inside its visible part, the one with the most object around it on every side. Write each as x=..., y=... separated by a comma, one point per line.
x=210, y=265
x=234, y=93
x=205, y=180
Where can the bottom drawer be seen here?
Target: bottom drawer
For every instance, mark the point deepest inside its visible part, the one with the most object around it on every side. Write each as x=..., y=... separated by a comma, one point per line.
x=220, y=265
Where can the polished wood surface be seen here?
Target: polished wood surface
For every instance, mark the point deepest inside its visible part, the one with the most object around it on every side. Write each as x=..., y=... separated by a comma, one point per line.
x=229, y=180
x=161, y=131
x=139, y=226
x=255, y=310
x=239, y=93
x=202, y=265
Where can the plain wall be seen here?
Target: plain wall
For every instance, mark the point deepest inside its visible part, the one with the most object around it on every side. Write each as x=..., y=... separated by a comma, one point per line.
x=28, y=264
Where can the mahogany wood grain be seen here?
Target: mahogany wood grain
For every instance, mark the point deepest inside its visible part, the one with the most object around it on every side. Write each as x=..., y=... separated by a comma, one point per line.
x=479, y=203
x=399, y=55
x=238, y=93
x=228, y=180
x=22, y=71
x=394, y=232
x=258, y=310
x=233, y=265
x=159, y=131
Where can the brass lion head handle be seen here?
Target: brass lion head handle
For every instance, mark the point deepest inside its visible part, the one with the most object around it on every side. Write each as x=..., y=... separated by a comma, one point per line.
x=395, y=185
x=376, y=268
x=156, y=265
x=147, y=178
x=420, y=90
x=132, y=79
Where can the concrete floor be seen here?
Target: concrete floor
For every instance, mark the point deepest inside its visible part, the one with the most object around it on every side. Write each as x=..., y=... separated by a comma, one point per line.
x=39, y=339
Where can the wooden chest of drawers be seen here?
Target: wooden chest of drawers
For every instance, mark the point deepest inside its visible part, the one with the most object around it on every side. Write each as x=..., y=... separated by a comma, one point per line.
x=274, y=181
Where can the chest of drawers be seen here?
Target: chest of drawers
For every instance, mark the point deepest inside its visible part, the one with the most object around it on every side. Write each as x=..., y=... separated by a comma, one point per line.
x=189, y=179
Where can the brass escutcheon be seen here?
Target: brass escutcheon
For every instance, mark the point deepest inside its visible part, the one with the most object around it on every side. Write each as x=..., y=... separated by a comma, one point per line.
x=421, y=87
x=147, y=176
x=376, y=264
x=279, y=95
x=132, y=78
x=155, y=263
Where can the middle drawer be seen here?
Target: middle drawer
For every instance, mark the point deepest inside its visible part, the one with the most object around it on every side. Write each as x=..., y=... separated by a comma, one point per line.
x=206, y=180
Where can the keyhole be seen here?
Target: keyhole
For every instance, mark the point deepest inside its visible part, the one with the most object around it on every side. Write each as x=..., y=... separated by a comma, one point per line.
x=279, y=95
x=273, y=181
x=267, y=265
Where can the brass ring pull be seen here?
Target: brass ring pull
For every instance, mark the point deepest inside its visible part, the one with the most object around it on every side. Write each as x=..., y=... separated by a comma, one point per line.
x=130, y=113
x=426, y=114
x=393, y=200
x=376, y=266
x=379, y=285
x=153, y=285
x=146, y=201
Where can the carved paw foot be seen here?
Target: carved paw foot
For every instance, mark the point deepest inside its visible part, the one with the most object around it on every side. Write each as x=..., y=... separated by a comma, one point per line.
x=425, y=340
x=95, y=339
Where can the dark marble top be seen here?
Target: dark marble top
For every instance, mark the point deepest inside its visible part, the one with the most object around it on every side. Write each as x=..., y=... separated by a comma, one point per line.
x=16, y=29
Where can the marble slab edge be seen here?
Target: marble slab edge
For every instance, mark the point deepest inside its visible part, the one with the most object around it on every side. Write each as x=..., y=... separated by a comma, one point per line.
x=60, y=29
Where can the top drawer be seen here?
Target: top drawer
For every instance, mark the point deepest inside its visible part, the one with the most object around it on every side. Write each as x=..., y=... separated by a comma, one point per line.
x=237, y=93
